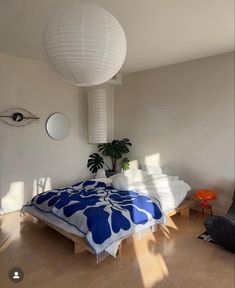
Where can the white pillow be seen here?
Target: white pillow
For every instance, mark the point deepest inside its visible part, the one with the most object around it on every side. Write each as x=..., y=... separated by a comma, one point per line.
x=135, y=175
x=120, y=181
x=100, y=174
x=123, y=181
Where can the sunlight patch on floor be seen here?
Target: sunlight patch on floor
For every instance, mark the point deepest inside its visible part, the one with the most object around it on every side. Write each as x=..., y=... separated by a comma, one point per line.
x=152, y=266
x=171, y=224
x=10, y=230
x=8, y=240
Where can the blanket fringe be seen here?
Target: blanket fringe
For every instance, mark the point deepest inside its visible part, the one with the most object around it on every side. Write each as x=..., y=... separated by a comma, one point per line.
x=129, y=240
x=101, y=257
x=154, y=228
x=22, y=213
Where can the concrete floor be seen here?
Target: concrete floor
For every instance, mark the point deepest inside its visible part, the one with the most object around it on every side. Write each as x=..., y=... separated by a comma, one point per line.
x=172, y=257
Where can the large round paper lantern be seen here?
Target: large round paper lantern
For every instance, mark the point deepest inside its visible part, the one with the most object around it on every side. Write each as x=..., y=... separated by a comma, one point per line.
x=85, y=44
x=97, y=115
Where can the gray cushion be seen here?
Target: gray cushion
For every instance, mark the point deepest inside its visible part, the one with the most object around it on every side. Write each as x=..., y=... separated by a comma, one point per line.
x=222, y=228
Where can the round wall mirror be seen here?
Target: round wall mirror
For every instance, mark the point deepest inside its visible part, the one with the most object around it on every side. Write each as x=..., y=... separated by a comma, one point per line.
x=58, y=126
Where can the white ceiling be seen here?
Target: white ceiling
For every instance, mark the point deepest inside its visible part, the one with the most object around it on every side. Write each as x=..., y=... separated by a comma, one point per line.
x=159, y=32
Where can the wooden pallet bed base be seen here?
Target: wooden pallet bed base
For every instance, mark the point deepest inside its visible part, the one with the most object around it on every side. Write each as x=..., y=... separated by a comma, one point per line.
x=183, y=209
x=79, y=243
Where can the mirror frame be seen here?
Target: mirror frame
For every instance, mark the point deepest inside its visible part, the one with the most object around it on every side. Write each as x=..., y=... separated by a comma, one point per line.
x=51, y=134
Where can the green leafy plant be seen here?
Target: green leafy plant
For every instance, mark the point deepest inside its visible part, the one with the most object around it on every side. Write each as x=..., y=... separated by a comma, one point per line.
x=95, y=162
x=115, y=150
x=125, y=164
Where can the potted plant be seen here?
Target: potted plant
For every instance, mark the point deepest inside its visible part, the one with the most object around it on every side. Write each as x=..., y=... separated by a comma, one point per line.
x=115, y=150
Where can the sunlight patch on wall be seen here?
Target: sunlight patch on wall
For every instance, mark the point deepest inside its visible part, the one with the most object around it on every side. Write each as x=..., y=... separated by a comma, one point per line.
x=41, y=185
x=134, y=164
x=14, y=199
x=152, y=160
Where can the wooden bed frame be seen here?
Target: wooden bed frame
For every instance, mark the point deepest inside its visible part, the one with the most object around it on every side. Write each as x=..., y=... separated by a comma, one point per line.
x=80, y=244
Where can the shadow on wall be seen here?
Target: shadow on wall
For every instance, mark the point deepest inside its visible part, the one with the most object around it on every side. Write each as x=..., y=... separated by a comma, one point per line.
x=19, y=193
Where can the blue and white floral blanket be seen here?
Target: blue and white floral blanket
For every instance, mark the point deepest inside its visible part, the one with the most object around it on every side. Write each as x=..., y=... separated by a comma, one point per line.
x=102, y=214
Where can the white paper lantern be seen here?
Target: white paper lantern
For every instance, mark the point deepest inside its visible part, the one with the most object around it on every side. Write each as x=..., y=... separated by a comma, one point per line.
x=85, y=44
x=97, y=115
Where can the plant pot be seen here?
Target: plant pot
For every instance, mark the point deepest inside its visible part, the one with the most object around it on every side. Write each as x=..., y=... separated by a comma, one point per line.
x=110, y=173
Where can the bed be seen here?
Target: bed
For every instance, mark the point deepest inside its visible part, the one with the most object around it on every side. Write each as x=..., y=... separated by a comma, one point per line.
x=98, y=217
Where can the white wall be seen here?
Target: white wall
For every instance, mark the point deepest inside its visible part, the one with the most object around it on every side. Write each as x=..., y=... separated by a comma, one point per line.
x=197, y=143
x=30, y=161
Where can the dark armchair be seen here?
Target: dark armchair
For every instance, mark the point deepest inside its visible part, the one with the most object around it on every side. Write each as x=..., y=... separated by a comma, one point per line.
x=222, y=228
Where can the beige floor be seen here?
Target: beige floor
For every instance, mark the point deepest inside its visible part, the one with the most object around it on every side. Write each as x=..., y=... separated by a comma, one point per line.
x=173, y=257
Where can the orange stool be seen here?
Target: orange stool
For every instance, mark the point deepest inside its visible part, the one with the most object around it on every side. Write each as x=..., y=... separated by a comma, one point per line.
x=205, y=195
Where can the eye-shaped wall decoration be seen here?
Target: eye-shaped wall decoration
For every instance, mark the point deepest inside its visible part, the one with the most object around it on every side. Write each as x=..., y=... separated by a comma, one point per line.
x=17, y=117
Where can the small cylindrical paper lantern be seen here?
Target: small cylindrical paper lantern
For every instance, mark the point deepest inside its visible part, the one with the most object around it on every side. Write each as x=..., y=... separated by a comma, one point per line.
x=97, y=115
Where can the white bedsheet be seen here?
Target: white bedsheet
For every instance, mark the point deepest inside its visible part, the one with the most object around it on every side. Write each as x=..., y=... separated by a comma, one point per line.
x=169, y=190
